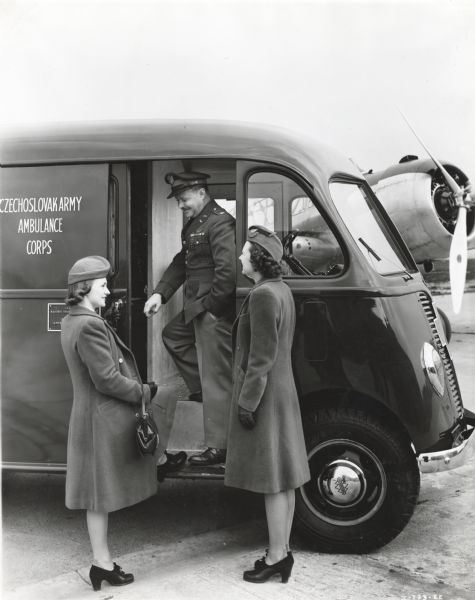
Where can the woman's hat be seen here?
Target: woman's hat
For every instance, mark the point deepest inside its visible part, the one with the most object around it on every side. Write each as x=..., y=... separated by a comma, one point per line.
x=267, y=239
x=89, y=267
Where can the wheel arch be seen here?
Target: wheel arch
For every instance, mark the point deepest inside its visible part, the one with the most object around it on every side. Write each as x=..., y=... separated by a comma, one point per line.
x=336, y=398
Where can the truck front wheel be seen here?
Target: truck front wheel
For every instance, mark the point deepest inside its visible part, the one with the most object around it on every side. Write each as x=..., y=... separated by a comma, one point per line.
x=364, y=481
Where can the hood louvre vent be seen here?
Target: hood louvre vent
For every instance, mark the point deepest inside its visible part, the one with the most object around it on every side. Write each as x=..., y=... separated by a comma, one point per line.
x=442, y=349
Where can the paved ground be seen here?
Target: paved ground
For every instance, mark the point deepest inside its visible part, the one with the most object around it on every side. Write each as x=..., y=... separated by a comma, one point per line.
x=432, y=558
x=200, y=536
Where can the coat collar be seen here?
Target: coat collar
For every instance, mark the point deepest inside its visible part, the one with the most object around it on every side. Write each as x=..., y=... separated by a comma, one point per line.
x=205, y=211
x=201, y=217
x=256, y=285
x=262, y=281
x=77, y=310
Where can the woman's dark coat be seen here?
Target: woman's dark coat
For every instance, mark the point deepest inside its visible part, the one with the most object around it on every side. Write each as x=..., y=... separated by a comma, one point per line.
x=105, y=470
x=271, y=457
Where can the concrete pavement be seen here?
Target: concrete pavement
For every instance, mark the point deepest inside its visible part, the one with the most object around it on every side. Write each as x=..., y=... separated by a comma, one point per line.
x=430, y=559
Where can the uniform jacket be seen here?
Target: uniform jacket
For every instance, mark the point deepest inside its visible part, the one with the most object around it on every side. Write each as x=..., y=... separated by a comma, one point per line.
x=271, y=457
x=206, y=264
x=105, y=470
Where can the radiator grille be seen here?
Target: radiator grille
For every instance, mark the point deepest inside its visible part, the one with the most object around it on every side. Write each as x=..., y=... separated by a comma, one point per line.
x=442, y=349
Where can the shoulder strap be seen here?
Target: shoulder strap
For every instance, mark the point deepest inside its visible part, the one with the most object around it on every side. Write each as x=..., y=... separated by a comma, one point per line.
x=143, y=401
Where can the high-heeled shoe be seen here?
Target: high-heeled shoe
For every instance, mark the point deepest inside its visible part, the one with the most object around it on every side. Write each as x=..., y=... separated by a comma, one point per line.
x=264, y=572
x=260, y=562
x=114, y=577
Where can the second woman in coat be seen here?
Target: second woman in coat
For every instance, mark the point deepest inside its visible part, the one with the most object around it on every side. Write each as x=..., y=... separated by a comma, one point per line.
x=105, y=470
x=266, y=447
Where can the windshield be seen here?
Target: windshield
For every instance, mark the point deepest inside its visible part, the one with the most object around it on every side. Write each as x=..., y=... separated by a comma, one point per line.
x=368, y=229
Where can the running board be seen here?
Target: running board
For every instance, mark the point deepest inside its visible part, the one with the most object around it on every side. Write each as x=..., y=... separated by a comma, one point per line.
x=195, y=472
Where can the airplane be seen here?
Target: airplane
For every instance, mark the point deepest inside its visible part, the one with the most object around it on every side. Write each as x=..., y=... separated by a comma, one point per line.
x=430, y=202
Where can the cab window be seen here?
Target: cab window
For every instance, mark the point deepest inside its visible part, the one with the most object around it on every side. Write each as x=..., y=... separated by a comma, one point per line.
x=368, y=228
x=280, y=204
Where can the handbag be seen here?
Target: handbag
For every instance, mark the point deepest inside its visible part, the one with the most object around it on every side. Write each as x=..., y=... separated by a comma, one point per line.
x=146, y=430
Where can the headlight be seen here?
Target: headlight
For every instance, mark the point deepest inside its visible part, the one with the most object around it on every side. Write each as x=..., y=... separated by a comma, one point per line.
x=433, y=367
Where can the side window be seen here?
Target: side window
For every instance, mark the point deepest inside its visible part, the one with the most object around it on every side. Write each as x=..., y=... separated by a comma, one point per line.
x=279, y=203
x=310, y=241
x=368, y=229
x=263, y=192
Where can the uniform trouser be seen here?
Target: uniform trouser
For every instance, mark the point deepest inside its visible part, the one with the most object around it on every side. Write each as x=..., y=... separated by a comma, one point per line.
x=202, y=353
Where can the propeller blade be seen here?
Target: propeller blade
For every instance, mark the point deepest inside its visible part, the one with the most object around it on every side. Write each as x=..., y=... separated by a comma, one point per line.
x=458, y=247
x=458, y=260
x=450, y=180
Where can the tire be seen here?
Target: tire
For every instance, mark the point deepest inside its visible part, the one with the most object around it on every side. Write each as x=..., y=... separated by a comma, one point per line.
x=365, y=482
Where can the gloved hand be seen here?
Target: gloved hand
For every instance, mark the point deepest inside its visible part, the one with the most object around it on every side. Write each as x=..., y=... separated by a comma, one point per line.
x=153, y=388
x=247, y=418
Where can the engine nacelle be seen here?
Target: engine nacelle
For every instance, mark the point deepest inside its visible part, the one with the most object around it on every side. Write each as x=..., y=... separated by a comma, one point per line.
x=416, y=197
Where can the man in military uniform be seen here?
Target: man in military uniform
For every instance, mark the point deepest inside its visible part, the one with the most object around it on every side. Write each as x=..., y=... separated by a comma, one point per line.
x=199, y=337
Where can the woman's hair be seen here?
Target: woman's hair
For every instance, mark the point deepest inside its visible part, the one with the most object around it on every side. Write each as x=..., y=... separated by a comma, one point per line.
x=77, y=291
x=263, y=262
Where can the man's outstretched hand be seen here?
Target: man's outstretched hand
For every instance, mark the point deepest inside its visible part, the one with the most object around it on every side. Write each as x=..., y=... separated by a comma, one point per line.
x=152, y=305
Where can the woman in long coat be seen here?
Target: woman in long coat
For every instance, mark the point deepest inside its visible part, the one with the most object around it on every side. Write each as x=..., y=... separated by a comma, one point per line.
x=105, y=469
x=266, y=447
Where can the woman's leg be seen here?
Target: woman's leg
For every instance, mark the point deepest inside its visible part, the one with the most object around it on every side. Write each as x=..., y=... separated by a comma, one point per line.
x=277, y=523
x=97, y=523
x=290, y=515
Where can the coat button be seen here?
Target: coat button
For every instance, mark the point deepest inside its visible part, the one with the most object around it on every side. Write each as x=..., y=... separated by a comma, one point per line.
x=121, y=360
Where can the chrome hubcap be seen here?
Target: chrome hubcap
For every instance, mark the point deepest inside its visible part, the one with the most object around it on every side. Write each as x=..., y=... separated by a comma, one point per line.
x=342, y=483
x=348, y=484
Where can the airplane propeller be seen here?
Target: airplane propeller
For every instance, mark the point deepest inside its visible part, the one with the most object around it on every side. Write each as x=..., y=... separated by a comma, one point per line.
x=458, y=246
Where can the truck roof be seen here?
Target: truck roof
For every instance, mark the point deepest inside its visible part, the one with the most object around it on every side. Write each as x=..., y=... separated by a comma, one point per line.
x=112, y=141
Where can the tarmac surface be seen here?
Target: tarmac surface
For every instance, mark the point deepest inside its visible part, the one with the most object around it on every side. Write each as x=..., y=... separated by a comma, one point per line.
x=431, y=559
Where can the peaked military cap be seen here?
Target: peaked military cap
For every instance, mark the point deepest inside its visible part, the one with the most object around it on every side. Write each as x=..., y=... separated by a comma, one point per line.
x=183, y=181
x=267, y=239
x=89, y=267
